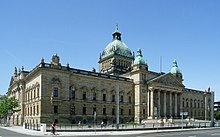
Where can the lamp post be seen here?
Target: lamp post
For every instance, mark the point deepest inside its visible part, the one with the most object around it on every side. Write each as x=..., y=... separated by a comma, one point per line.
x=212, y=109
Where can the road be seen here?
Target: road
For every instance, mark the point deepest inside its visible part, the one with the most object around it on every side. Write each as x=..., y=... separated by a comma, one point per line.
x=8, y=133
x=195, y=133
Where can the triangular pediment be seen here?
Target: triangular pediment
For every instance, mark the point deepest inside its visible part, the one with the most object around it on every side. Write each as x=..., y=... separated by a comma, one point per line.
x=166, y=80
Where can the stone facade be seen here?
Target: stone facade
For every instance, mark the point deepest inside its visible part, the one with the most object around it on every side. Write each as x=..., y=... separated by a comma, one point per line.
x=123, y=91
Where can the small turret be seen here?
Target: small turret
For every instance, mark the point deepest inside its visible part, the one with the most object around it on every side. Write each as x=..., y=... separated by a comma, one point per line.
x=139, y=61
x=176, y=71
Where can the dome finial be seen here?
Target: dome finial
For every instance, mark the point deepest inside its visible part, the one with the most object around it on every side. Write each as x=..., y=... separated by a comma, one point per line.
x=116, y=35
x=175, y=63
x=116, y=28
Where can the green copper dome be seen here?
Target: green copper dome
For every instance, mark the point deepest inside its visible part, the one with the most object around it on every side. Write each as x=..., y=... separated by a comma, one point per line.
x=139, y=59
x=116, y=47
x=175, y=69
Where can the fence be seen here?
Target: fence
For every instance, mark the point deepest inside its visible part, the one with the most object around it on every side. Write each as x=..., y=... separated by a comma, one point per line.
x=110, y=127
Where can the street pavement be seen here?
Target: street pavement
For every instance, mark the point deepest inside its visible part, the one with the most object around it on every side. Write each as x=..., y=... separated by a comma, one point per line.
x=18, y=131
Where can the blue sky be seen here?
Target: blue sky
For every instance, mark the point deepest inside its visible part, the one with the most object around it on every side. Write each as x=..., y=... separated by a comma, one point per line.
x=79, y=30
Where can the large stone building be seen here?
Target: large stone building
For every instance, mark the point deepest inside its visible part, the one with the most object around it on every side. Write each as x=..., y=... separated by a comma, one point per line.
x=123, y=90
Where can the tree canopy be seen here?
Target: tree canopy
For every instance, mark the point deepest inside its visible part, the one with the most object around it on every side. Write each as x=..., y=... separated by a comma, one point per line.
x=8, y=104
x=217, y=115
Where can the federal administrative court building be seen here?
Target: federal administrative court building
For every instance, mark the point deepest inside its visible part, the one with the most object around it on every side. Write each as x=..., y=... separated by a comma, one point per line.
x=123, y=90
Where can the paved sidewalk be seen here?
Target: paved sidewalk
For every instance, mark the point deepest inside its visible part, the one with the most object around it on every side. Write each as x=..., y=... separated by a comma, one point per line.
x=19, y=129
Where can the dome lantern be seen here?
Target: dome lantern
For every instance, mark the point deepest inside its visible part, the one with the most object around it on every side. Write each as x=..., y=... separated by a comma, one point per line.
x=116, y=35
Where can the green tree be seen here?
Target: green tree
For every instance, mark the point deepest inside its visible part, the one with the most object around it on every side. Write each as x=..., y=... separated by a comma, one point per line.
x=217, y=115
x=8, y=104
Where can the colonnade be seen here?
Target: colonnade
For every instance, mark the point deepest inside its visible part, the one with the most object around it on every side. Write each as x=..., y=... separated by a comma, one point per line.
x=163, y=103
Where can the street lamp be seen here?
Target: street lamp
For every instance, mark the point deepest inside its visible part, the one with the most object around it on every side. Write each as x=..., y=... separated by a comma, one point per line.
x=212, y=109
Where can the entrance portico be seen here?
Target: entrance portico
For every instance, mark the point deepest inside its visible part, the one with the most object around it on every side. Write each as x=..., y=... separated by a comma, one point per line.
x=165, y=101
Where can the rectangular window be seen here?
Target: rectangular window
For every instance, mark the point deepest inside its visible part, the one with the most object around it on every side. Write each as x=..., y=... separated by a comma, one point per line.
x=129, y=99
x=104, y=111
x=121, y=99
x=84, y=110
x=122, y=111
x=94, y=96
x=183, y=104
x=72, y=94
x=104, y=97
x=38, y=92
x=34, y=93
x=143, y=111
x=129, y=111
x=84, y=96
x=37, y=109
x=55, y=109
x=55, y=92
x=113, y=98
x=31, y=111
x=113, y=111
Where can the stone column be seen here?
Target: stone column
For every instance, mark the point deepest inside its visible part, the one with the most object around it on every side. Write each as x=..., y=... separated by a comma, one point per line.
x=176, y=104
x=148, y=103
x=152, y=103
x=171, y=103
x=181, y=104
x=158, y=107
x=165, y=104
